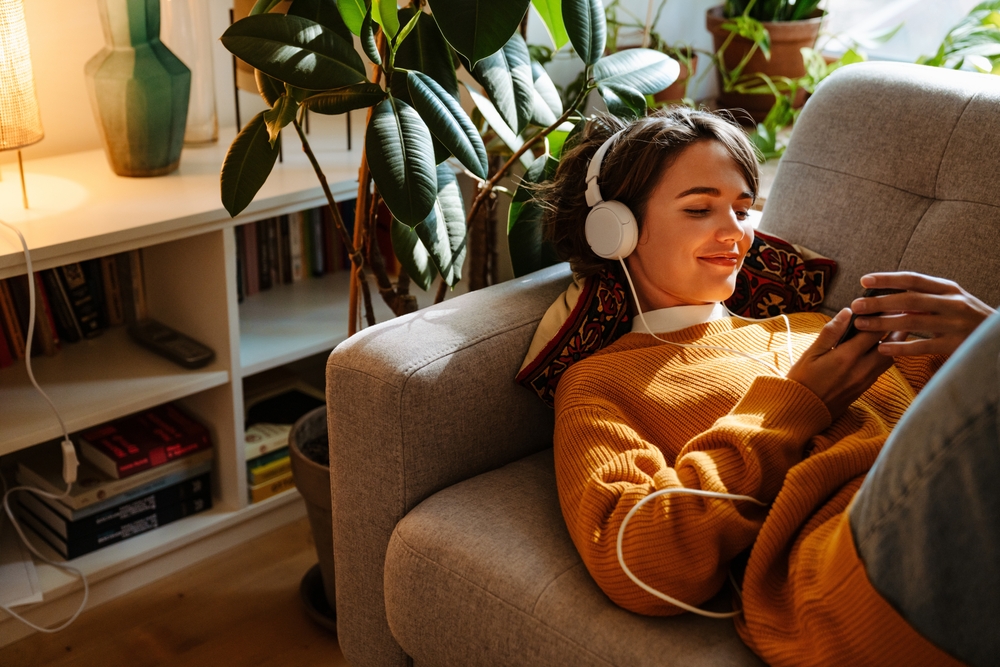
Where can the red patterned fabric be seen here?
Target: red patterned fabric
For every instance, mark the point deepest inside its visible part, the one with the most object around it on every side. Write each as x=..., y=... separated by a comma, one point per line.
x=776, y=278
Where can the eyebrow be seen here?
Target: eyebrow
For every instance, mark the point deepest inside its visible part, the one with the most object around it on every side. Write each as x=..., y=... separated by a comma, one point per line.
x=714, y=192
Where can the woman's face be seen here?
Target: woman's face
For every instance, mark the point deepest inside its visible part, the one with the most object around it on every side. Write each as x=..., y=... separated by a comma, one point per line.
x=696, y=231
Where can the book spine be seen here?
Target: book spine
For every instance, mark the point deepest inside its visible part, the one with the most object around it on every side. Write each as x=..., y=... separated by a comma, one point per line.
x=240, y=264
x=74, y=284
x=62, y=310
x=112, y=291
x=263, y=252
x=144, y=523
x=274, y=251
x=95, y=283
x=307, y=243
x=284, y=241
x=11, y=323
x=272, y=487
x=18, y=287
x=6, y=356
x=272, y=470
x=253, y=259
x=112, y=519
x=138, y=284
x=44, y=321
x=318, y=246
x=295, y=246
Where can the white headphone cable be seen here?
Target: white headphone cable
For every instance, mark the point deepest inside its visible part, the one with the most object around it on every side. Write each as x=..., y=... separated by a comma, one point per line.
x=69, y=456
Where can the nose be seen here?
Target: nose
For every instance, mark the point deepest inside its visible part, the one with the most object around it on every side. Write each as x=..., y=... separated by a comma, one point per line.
x=731, y=229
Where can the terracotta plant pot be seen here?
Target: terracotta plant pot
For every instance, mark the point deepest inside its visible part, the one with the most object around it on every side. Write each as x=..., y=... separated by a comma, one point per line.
x=676, y=91
x=787, y=37
x=313, y=482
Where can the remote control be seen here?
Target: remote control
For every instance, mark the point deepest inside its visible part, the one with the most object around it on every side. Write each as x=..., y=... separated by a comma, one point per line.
x=171, y=344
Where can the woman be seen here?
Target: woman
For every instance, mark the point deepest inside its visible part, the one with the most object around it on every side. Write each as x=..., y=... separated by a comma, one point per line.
x=678, y=407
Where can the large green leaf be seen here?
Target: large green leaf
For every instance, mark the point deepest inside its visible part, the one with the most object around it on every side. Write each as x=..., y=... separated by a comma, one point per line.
x=384, y=13
x=353, y=13
x=412, y=254
x=247, y=165
x=269, y=88
x=506, y=76
x=295, y=50
x=448, y=122
x=478, y=28
x=622, y=100
x=263, y=6
x=443, y=232
x=401, y=159
x=349, y=98
x=644, y=70
x=424, y=50
x=496, y=122
x=323, y=12
x=281, y=114
x=551, y=13
x=529, y=251
x=586, y=28
x=547, y=105
x=368, y=41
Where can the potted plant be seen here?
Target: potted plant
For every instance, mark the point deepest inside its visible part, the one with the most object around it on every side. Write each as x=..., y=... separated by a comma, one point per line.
x=417, y=133
x=758, y=50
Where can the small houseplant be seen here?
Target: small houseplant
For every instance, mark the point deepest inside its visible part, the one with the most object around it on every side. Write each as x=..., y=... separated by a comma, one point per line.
x=306, y=61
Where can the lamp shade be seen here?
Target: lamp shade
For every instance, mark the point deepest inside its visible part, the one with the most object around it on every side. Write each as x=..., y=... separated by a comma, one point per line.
x=20, y=123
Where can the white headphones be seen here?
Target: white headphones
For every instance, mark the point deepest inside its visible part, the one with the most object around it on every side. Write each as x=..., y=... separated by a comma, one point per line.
x=611, y=228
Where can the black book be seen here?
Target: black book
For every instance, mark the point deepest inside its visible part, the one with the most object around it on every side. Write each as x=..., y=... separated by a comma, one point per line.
x=82, y=301
x=62, y=308
x=112, y=518
x=284, y=246
x=18, y=286
x=135, y=525
x=95, y=283
x=263, y=255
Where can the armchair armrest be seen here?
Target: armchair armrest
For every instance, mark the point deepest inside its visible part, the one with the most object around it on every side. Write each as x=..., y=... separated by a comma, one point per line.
x=415, y=405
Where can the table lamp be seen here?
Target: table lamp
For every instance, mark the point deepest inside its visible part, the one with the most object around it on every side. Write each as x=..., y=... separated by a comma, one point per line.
x=20, y=123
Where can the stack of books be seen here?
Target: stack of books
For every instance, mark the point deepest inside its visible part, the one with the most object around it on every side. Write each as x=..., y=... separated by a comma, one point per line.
x=73, y=302
x=269, y=467
x=136, y=474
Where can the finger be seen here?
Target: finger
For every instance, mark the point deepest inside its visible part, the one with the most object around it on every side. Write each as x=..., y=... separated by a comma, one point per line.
x=908, y=322
x=832, y=331
x=916, y=346
x=904, y=302
x=909, y=280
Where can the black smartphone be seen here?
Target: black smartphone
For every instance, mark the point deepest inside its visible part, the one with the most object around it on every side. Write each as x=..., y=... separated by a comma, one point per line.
x=853, y=330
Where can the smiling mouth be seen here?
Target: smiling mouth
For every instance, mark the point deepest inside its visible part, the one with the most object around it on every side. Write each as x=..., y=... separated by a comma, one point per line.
x=725, y=259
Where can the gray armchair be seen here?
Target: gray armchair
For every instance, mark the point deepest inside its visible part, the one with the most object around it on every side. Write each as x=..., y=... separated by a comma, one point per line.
x=449, y=542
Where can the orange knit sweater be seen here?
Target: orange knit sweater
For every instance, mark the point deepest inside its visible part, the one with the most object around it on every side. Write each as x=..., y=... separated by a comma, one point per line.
x=641, y=415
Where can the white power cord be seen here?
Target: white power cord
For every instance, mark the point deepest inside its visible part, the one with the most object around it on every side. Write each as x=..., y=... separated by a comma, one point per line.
x=70, y=462
x=693, y=492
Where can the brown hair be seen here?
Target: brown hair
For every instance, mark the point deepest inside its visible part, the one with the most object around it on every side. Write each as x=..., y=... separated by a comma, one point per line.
x=630, y=171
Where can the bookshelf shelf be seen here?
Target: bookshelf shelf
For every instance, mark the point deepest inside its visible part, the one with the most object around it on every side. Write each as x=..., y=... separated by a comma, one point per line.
x=80, y=211
x=91, y=382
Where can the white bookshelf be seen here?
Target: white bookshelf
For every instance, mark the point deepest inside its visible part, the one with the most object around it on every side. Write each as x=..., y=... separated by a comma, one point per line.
x=82, y=210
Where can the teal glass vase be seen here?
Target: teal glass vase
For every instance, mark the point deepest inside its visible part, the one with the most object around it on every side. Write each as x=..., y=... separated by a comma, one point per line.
x=139, y=90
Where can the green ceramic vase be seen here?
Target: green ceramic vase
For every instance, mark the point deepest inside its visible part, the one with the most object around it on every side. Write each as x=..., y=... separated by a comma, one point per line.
x=139, y=90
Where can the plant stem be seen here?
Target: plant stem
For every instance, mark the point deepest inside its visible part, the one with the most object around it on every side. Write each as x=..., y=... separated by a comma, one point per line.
x=356, y=259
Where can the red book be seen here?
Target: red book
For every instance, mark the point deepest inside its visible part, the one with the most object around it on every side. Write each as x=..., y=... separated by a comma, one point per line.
x=144, y=440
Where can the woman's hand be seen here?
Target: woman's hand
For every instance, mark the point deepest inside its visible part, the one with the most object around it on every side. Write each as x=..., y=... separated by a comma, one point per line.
x=933, y=306
x=839, y=375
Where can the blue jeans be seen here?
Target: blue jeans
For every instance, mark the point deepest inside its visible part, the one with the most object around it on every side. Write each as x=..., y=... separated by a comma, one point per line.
x=926, y=521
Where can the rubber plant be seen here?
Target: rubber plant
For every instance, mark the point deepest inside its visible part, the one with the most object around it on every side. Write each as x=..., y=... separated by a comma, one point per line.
x=417, y=132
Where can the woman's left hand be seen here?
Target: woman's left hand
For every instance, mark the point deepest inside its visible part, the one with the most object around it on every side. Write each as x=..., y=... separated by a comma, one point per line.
x=936, y=307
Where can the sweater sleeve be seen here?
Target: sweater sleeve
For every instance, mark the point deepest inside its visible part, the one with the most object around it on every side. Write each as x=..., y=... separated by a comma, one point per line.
x=919, y=369
x=679, y=544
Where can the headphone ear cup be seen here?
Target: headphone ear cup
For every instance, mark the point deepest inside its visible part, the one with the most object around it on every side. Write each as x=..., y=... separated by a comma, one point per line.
x=612, y=230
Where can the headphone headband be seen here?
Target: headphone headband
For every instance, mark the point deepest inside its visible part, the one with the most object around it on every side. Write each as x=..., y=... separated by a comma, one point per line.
x=594, y=170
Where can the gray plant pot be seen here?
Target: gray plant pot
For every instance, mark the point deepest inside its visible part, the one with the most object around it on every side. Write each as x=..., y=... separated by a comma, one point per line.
x=313, y=482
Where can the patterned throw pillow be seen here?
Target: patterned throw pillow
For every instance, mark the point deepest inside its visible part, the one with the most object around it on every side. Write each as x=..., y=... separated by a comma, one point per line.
x=777, y=277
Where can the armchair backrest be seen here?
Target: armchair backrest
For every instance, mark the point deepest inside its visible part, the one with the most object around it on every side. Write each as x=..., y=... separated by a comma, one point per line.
x=894, y=167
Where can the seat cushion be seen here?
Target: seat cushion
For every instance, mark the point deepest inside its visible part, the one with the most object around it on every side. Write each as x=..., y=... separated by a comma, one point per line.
x=485, y=573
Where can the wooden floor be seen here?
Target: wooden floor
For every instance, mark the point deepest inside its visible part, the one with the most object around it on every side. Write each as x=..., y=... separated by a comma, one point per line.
x=240, y=607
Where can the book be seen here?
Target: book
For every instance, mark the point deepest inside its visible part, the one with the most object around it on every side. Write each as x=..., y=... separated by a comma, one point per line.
x=81, y=299
x=138, y=277
x=253, y=259
x=284, y=243
x=241, y=263
x=143, y=523
x=41, y=467
x=62, y=309
x=295, y=246
x=95, y=283
x=18, y=288
x=262, y=438
x=268, y=467
x=264, y=255
x=271, y=487
x=123, y=266
x=143, y=440
x=12, y=325
x=113, y=517
x=44, y=320
x=6, y=356
x=317, y=243
x=305, y=231
x=114, y=309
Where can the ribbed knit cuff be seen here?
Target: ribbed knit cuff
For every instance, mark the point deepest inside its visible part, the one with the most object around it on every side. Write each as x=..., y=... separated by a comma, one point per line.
x=784, y=404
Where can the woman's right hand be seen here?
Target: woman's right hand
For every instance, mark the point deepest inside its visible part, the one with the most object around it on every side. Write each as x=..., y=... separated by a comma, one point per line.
x=839, y=375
